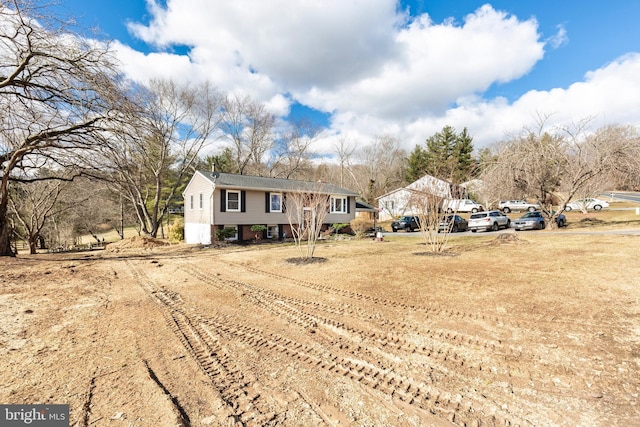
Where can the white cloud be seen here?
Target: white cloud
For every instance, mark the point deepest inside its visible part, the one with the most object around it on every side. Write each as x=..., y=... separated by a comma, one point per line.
x=438, y=64
x=607, y=95
x=372, y=69
x=559, y=39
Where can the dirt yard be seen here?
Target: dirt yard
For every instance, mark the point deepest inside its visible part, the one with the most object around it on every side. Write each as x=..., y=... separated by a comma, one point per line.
x=540, y=331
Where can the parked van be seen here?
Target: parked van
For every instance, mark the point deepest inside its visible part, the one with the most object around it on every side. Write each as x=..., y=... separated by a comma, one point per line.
x=461, y=205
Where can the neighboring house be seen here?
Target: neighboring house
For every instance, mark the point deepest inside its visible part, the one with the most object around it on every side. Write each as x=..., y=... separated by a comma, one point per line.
x=398, y=202
x=214, y=200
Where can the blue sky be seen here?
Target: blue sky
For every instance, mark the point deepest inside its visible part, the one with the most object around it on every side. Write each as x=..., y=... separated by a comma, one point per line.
x=374, y=67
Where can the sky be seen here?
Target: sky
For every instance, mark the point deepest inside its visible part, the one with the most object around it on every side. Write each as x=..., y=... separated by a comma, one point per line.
x=369, y=68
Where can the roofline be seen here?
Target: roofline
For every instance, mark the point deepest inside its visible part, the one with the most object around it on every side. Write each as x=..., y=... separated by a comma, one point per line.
x=342, y=191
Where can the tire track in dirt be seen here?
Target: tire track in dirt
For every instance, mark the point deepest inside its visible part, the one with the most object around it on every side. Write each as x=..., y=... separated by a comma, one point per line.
x=369, y=373
x=498, y=348
x=246, y=407
x=437, y=310
x=500, y=365
x=446, y=347
x=294, y=311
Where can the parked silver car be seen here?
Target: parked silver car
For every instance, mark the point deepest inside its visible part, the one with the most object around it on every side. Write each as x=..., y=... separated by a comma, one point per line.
x=530, y=221
x=489, y=220
x=507, y=206
x=536, y=221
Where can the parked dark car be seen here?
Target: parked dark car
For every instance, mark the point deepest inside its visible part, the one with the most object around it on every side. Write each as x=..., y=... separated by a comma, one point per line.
x=453, y=223
x=406, y=223
x=561, y=220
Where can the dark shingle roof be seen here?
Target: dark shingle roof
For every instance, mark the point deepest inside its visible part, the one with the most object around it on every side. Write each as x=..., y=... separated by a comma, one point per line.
x=233, y=181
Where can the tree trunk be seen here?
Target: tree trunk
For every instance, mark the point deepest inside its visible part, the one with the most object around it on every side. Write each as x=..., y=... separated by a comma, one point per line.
x=33, y=247
x=5, y=241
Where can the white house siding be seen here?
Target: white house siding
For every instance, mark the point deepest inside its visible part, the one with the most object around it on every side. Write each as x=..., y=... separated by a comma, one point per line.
x=197, y=221
x=195, y=234
x=396, y=203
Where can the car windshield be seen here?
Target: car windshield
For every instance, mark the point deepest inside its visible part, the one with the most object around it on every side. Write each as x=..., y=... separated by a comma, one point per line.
x=476, y=216
x=406, y=218
x=531, y=215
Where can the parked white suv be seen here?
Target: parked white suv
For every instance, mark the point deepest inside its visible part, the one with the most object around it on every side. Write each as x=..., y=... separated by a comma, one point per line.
x=507, y=206
x=490, y=220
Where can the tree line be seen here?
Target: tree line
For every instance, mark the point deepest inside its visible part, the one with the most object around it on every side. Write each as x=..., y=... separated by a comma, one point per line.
x=81, y=146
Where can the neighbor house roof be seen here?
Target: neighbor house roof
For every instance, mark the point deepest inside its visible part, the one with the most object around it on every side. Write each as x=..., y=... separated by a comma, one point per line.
x=234, y=181
x=364, y=207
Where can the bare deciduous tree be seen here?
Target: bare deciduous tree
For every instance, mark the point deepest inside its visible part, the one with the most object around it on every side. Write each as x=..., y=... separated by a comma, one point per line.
x=344, y=149
x=555, y=167
x=624, y=159
x=306, y=212
x=426, y=200
x=249, y=127
x=291, y=154
x=150, y=156
x=57, y=91
x=32, y=205
x=378, y=167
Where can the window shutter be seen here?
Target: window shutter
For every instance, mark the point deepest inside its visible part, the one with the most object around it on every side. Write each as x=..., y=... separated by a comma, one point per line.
x=223, y=200
x=243, y=200
x=267, y=202
x=284, y=202
x=348, y=204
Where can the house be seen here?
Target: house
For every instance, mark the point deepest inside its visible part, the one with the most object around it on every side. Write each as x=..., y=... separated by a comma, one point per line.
x=398, y=202
x=214, y=200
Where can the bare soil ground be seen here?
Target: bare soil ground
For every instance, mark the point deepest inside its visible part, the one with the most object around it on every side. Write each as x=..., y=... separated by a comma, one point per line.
x=536, y=330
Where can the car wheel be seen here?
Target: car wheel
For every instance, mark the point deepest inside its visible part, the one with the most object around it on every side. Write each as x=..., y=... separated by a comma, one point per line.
x=474, y=230
x=506, y=210
x=454, y=229
x=597, y=207
x=508, y=223
x=567, y=208
x=542, y=225
x=560, y=223
x=495, y=227
x=394, y=230
x=474, y=210
x=531, y=209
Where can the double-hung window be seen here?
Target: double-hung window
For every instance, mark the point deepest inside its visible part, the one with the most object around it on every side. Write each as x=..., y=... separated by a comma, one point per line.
x=275, y=202
x=233, y=201
x=338, y=204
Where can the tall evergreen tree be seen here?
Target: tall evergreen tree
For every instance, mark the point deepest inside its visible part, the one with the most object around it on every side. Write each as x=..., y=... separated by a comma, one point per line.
x=448, y=155
x=416, y=164
x=462, y=154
